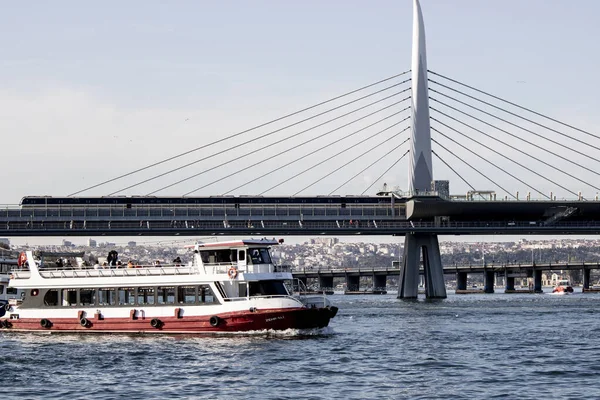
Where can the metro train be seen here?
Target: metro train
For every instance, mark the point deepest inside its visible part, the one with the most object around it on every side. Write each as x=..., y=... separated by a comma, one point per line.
x=37, y=201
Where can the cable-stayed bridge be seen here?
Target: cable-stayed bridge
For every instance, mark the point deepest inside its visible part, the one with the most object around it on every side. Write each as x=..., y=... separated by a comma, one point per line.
x=518, y=170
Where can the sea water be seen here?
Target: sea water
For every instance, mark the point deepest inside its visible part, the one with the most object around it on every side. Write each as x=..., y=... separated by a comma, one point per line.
x=522, y=346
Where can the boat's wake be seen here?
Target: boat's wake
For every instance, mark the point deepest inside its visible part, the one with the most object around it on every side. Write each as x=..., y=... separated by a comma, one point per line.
x=283, y=334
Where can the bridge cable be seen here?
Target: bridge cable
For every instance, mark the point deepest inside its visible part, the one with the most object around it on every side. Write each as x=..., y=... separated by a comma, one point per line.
x=456, y=173
x=369, y=166
x=475, y=169
x=385, y=172
x=349, y=162
x=518, y=126
x=237, y=146
x=313, y=152
x=327, y=159
x=503, y=170
x=508, y=133
x=516, y=105
x=252, y=129
x=514, y=148
x=294, y=148
x=280, y=141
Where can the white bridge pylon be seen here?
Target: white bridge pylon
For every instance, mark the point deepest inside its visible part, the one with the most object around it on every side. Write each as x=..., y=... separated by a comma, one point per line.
x=420, y=177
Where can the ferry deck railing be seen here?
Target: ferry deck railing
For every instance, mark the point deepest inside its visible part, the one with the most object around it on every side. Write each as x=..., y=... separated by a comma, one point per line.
x=147, y=270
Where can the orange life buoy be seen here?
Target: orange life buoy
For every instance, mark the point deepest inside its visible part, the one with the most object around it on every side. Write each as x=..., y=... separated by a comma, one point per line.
x=232, y=273
x=22, y=259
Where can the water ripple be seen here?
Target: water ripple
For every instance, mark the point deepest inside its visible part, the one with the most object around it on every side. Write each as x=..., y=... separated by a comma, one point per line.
x=378, y=347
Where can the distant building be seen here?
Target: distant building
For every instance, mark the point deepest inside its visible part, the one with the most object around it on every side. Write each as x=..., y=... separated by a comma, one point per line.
x=67, y=243
x=131, y=244
x=91, y=243
x=5, y=241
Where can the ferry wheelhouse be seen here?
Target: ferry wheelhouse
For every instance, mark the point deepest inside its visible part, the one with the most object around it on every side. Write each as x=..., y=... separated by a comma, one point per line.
x=227, y=287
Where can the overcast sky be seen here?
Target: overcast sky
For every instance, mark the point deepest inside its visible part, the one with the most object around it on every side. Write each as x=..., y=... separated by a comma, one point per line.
x=91, y=91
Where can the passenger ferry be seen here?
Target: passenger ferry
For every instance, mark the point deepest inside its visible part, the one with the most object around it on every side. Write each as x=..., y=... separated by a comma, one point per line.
x=227, y=287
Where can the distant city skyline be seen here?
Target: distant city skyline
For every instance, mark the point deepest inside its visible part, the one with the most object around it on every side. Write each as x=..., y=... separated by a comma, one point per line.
x=122, y=241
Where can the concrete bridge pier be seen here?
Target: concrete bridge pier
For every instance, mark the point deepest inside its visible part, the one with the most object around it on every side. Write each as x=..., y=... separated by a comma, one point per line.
x=428, y=246
x=379, y=282
x=352, y=283
x=325, y=282
x=510, y=284
x=586, y=279
x=489, y=278
x=461, y=281
x=537, y=281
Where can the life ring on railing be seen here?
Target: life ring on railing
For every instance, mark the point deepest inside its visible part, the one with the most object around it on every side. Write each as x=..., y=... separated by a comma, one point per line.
x=232, y=273
x=22, y=259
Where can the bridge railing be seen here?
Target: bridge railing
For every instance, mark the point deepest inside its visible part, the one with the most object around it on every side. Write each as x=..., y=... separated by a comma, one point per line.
x=258, y=225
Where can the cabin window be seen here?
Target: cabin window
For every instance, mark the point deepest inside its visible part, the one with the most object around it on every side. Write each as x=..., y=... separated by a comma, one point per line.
x=217, y=256
x=1, y=289
x=186, y=294
x=206, y=295
x=126, y=296
x=166, y=294
x=69, y=297
x=106, y=297
x=145, y=295
x=242, y=255
x=260, y=256
x=266, y=258
x=267, y=288
x=11, y=290
x=51, y=297
x=87, y=297
x=243, y=289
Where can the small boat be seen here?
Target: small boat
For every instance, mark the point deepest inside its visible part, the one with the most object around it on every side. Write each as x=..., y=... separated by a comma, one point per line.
x=562, y=287
x=226, y=287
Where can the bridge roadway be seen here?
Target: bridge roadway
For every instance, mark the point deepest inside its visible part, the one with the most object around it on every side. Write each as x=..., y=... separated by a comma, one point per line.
x=424, y=214
x=510, y=269
x=352, y=276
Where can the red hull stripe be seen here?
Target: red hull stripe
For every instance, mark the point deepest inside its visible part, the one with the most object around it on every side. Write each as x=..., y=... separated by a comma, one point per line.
x=300, y=318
